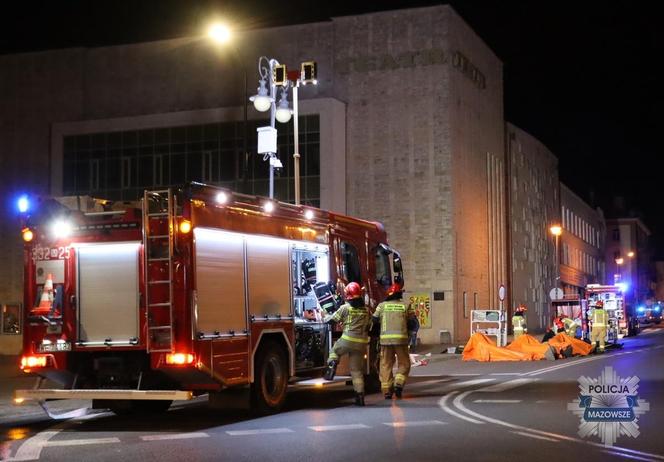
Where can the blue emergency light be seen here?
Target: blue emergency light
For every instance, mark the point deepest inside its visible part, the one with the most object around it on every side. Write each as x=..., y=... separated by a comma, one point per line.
x=641, y=309
x=23, y=204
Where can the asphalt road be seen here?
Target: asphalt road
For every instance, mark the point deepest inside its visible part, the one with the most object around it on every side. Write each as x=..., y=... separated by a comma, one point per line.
x=452, y=410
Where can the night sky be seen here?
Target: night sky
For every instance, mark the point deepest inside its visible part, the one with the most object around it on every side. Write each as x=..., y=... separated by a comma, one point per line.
x=580, y=78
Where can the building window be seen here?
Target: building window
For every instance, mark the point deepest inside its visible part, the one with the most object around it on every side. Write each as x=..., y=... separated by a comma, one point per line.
x=615, y=234
x=465, y=305
x=120, y=165
x=10, y=321
x=475, y=300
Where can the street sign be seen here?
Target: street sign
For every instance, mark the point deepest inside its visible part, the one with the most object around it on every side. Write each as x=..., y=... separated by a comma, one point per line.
x=501, y=293
x=556, y=293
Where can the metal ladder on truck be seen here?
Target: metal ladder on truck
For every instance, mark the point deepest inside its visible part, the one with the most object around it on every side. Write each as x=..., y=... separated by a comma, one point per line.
x=158, y=243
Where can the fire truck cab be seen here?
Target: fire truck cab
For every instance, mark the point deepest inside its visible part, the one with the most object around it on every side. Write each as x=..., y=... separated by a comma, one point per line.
x=189, y=291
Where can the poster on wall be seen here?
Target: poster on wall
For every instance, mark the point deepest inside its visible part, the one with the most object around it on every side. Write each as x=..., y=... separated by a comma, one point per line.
x=421, y=302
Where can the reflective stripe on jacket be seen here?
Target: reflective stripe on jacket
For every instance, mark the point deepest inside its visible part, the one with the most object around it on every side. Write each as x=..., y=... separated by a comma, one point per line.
x=599, y=317
x=519, y=322
x=356, y=323
x=393, y=315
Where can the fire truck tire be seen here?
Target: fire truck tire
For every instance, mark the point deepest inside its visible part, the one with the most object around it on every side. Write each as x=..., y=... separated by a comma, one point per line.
x=268, y=392
x=372, y=379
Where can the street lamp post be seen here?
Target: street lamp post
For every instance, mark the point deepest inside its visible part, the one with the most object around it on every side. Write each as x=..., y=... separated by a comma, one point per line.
x=264, y=100
x=556, y=230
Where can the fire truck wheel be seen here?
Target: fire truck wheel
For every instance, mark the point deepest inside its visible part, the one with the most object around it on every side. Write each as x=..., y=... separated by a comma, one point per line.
x=268, y=391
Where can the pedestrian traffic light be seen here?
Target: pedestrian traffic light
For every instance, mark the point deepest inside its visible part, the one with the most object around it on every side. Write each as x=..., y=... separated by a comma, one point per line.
x=309, y=73
x=280, y=75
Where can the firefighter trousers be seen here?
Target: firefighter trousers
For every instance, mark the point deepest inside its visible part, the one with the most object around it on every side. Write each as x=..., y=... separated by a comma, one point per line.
x=598, y=333
x=355, y=352
x=388, y=354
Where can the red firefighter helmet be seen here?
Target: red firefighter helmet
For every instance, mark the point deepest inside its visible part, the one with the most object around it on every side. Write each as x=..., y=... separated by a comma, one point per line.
x=394, y=288
x=521, y=308
x=352, y=290
x=599, y=304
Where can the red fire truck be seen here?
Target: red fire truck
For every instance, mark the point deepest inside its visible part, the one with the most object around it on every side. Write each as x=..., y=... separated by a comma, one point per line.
x=192, y=290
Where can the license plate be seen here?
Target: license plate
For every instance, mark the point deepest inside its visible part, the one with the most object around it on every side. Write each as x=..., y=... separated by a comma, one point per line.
x=55, y=347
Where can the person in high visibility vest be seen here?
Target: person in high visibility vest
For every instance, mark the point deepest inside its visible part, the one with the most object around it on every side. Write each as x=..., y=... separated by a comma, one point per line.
x=394, y=317
x=354, y=339
x=519, y=321
x=569, y=324
x=599, y=320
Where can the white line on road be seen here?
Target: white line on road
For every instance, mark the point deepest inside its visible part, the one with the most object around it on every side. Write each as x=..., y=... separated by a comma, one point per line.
x=464, y=375
x=330, y=428
x=530, y=435
x=415, y=423
x=175, y=436
x=50, y=444
x=498, y=401
x=503, y=386
x=506, y=373
x=259, y=431
x=443, y=405
x=467, y=383
x=458, y=403
x=569, y=364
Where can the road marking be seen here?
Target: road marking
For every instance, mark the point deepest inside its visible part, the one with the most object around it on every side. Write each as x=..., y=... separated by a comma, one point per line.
x=32, y=447
x=174, y=436
x=499, y=387
x=331, y=428
x=497, y=401
x=530, y=435
x=569, y=364
x=467, y=383
x=415, y=423
x=443, y=405
x=50, y=444
x=506, y=373
x=259, y=431
x=463, y=375
x=459, y=404
x=541, y=401
x=428, y=382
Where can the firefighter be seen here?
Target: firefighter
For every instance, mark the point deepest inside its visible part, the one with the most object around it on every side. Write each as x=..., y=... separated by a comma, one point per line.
x=598, y=333
x=396, y=318
x=519, y=321
x=569, y=325
x=354, y=339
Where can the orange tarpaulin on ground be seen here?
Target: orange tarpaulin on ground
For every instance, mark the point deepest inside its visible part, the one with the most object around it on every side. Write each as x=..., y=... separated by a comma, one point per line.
x=561, y=341
x=529, y=344
x=481, y=348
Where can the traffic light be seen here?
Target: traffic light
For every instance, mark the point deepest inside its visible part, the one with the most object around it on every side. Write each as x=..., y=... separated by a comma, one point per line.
x=280, y=76
x=308, y=73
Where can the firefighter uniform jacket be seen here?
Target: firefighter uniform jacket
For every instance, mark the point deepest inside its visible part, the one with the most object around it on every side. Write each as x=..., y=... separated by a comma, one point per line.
x=356, y=323
x=599, y=317
x=393, y=315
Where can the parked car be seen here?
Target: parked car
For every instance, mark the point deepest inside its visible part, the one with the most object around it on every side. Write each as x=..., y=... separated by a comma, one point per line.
x=649, y=314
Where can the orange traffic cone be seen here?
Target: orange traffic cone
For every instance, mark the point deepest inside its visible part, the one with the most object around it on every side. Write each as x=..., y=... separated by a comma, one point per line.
x=46, y=301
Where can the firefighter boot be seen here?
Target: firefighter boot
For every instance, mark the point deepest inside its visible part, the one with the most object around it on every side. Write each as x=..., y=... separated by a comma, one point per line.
x=359, y=399
x=399, y=392
x=331, y=370
x=388, y=393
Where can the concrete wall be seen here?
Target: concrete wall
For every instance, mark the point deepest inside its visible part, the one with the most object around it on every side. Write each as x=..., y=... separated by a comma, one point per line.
x=534, y=206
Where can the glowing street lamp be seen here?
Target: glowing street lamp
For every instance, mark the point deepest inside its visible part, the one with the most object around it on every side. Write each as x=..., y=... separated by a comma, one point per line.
x=220, y=33
x=556, y=230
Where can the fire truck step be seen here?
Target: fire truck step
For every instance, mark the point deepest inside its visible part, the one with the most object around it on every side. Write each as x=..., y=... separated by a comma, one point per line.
x=160, y=327
x=159, y=304
x=165, y=281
